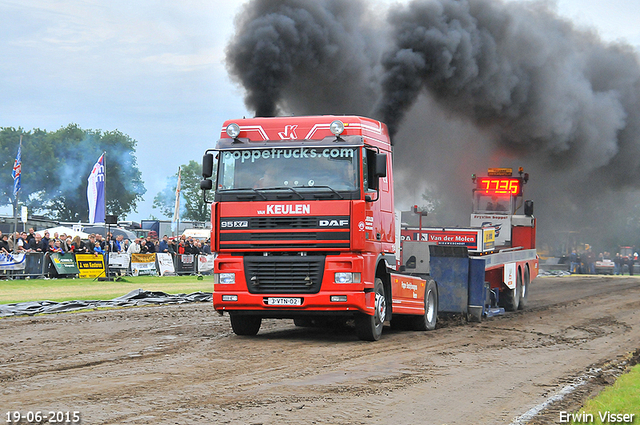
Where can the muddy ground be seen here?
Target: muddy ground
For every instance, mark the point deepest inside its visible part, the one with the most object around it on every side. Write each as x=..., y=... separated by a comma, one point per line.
x=181, y=364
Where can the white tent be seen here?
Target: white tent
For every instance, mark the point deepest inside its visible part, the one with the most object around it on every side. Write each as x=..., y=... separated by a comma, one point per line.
x=197, y=233
x=66, y=230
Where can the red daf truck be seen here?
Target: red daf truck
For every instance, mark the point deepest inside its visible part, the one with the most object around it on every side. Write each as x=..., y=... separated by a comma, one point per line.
x=303, y=225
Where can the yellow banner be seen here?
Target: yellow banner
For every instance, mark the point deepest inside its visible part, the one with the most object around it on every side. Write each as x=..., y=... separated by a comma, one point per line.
x=143, y=258
x=90, y=265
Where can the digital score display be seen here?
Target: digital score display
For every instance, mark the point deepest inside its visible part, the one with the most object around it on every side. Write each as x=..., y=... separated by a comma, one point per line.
x=499, y=186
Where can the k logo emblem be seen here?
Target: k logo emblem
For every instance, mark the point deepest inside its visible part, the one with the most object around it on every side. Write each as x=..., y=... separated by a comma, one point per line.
x=289, y=132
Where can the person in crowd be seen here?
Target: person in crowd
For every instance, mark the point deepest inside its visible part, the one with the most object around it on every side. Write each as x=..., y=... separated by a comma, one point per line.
x=173, y=248
x=134, y=247
x=630, y=263
x=98, y=247
x=575, y=264
x=100, y=241
x=197, y=246
x=66, y=243
x=20, y=244
x=163, y=246
x=120, y=243
x=111, y=243
x=616, y=264
x=108, y=243
x=90, y=244
x=77, y=246
x=31, y=234
x=46, y=238
x=9, y=240
x=591, y=261
x=31, y=244
x=143, y=245
x=4, y=244
x=181, y=244
x=37, y=244
x=206, y=247
x=151, y=247
x=54, y=246
x=189, y=247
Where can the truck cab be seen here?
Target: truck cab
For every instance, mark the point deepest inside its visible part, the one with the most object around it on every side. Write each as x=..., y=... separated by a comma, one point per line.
x=302, y=220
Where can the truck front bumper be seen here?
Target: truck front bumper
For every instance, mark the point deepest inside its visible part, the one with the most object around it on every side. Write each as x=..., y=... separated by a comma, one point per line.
x=292, y=305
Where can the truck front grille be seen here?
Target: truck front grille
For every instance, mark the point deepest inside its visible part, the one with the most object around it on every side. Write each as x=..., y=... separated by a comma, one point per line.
x=284, y=274
x=298, y=233
x=294, y=222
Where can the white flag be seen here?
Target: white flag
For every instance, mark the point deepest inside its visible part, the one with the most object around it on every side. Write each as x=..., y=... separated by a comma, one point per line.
x=176, y=211
x=95, y=192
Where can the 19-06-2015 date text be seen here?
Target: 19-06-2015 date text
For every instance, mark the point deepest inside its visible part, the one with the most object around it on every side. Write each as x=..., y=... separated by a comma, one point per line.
x=42, y=417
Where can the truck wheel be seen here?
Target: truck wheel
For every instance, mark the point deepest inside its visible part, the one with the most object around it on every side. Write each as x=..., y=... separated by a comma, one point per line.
x=512, y=296
x=369, y=327
x=427, y=322
x=524, y=291
x=244, y=324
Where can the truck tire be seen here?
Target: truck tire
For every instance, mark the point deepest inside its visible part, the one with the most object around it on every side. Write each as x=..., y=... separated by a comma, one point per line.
x=245, y=324
x=524, y=291
x=369, y=327
x=512, y=296
x=427, y=322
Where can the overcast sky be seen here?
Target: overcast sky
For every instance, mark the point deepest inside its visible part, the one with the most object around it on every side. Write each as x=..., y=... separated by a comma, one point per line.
x=155, y=70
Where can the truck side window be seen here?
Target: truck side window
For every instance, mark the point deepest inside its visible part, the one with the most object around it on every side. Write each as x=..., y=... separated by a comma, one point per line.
x=368, y=169
x=365, y=169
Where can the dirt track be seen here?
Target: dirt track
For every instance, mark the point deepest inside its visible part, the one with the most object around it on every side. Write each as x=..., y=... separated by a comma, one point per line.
x=183, y=365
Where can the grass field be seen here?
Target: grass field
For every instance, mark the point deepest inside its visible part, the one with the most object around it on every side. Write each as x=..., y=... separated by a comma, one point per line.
x=623, y=397
x=16, y=291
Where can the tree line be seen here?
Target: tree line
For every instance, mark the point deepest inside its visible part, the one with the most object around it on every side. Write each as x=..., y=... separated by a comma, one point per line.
x=56, y=165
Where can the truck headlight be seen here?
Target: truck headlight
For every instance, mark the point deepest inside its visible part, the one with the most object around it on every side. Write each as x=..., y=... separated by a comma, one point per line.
x=347, y=277
x=225, y=278
x=337, y=127
x=233, y=130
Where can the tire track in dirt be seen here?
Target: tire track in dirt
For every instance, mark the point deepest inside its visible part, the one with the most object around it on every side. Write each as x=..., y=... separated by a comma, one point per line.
x=182, y=364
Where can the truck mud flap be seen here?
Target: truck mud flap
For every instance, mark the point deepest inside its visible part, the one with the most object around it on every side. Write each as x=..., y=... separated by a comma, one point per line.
x=450, y=270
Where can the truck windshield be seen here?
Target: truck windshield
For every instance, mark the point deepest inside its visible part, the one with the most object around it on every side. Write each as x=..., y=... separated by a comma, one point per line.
x=483, y=203
x=304, y=169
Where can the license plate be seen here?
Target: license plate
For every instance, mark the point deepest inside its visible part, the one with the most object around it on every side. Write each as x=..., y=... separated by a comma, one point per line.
x=284, y=301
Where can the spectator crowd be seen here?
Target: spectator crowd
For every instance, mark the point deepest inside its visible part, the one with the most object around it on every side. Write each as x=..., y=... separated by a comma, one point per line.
x=585, y=262
x=22, y=242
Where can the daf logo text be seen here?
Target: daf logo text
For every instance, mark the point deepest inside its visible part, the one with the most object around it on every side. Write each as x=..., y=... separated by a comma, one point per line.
x=334, y=223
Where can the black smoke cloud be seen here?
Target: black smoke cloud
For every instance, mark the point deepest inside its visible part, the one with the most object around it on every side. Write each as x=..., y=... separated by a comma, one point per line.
x=304, y=56
x=462, y=85
x=542, y=86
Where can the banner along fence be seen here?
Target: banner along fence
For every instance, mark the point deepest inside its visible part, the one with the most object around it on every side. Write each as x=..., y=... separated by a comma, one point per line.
x=39, y=265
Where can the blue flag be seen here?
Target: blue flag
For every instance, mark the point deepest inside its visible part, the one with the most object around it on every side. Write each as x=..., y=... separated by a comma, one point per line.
x=17, y=170
x=95, y=192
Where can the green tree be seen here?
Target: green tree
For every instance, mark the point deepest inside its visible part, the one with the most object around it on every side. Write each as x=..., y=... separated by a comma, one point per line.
x=56, y=165
x=192, y=205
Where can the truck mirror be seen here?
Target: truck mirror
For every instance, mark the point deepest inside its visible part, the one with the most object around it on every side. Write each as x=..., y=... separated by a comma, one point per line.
x=381, y=165
x=206, y=184
x=207, y=166
x=528, y=208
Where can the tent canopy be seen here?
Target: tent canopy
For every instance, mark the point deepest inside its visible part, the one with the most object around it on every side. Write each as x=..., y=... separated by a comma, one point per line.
x=198, y=233
x=60, y=230
x=115, y=231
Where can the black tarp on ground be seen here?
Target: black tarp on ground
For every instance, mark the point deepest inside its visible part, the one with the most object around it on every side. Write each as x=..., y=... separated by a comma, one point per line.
x=133, y=298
